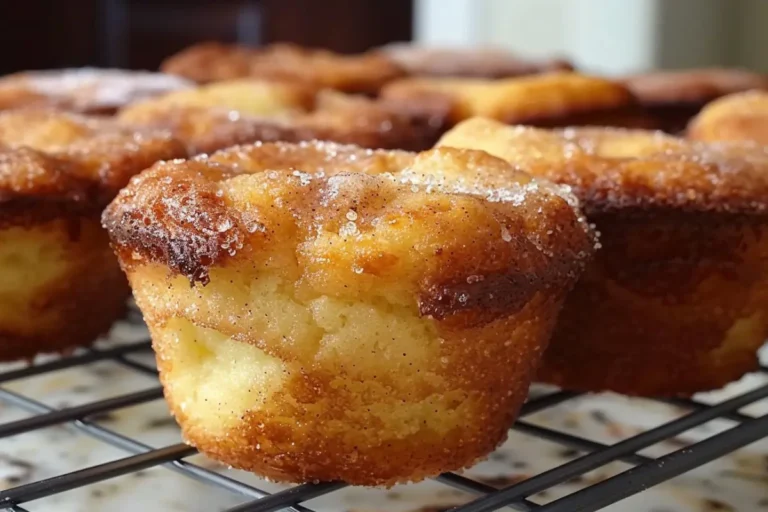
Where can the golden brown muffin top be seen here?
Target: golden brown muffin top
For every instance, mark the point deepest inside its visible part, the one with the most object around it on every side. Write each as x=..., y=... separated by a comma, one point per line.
x=212, y=62
x=440, y=221
x=736, y=117
x=62, y=156
x=267, y=98
x=468, y=62
x=85, y=90
x=692, y=86
x=237, y=112
x=516, y=100
x=615, y=169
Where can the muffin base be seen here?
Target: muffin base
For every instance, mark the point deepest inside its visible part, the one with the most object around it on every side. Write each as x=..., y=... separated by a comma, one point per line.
x=61, y=286
x=672, y=305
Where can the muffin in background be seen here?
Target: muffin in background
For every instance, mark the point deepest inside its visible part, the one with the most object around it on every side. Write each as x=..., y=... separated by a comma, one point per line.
x=60, y=284
x=741, y=117
x=213, y=62
x=547, y=100
x=676, y=299
x=223, y=114
x=672, y=98
x=422, y=61
x=84, y=90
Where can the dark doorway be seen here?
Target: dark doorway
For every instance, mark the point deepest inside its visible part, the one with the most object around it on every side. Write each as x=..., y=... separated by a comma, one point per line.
x=140, y=33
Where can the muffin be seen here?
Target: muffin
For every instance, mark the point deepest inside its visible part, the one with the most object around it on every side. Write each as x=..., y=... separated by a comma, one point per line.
x=84, y=90
x=60, y=284
x=244, y=111
x=267, y=98
x=322, y=312
x=551, y=99
x=468, y=62
x=741, y=117
x=213, y=62
x=672, y=98
x=676, y=299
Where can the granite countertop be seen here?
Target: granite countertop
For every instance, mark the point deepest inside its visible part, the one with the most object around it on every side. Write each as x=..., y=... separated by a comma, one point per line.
x=738, y=482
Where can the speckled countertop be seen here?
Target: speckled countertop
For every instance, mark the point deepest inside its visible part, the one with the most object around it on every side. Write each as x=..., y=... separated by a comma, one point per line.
x=738, y=482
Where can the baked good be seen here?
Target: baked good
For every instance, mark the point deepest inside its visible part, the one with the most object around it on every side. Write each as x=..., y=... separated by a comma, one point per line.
x=551, y=99
x=84, y=90
x=345, y=320
x=213, y=62
x=60, y=284
x=736, y=117
x=468, y=62
x=244, y=111
x=266, y=98
x=676, y=299
x=672, y=98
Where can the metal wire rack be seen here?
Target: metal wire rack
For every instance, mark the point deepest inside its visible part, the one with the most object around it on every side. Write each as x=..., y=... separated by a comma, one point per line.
x=644, y=472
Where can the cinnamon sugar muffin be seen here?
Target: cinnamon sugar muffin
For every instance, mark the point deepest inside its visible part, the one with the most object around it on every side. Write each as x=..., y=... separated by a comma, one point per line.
x=672, y=98
x=468, y=62
x=676, y=300
x=266, y=98
x=367, y=316
x=60, y=285
x=244, y=111
x=84, y=90
x=736, y=117
x=551, y=99
x=213, y=62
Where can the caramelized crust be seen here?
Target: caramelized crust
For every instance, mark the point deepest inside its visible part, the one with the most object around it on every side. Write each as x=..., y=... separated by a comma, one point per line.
x=238, y=114
x=614, y=169
x=674, y=97
x=151, y=219
x=736, y=117
x=213, y=62
x=365, y=316
x=468, y=63
x=676, y=300
x=89, y=91
x=50, y=155
x=553, y=99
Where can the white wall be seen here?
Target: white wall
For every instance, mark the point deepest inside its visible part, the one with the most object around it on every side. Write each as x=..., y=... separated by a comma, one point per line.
x=607, y=36
x=752, y=47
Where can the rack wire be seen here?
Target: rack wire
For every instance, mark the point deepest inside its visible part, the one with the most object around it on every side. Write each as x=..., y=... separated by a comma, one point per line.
x=644, y=472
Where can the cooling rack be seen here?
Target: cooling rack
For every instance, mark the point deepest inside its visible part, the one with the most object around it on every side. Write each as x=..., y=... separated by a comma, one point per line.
x=642, y=470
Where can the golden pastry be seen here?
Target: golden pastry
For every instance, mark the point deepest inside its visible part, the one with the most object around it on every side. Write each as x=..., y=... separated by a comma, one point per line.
x=468, y=62
x=60, y=285
x=736, y=117
x=213, y=62
x=551, y=99
x=84, y=90
x=236, y=112
x=672, y=98
x=676, y=300
x=366, y=316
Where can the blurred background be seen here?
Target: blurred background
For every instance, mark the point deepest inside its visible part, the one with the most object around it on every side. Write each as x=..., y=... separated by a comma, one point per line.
x=605, y=36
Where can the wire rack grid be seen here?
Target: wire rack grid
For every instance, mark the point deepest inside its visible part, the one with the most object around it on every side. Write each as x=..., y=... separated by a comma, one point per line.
x=644, y=471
